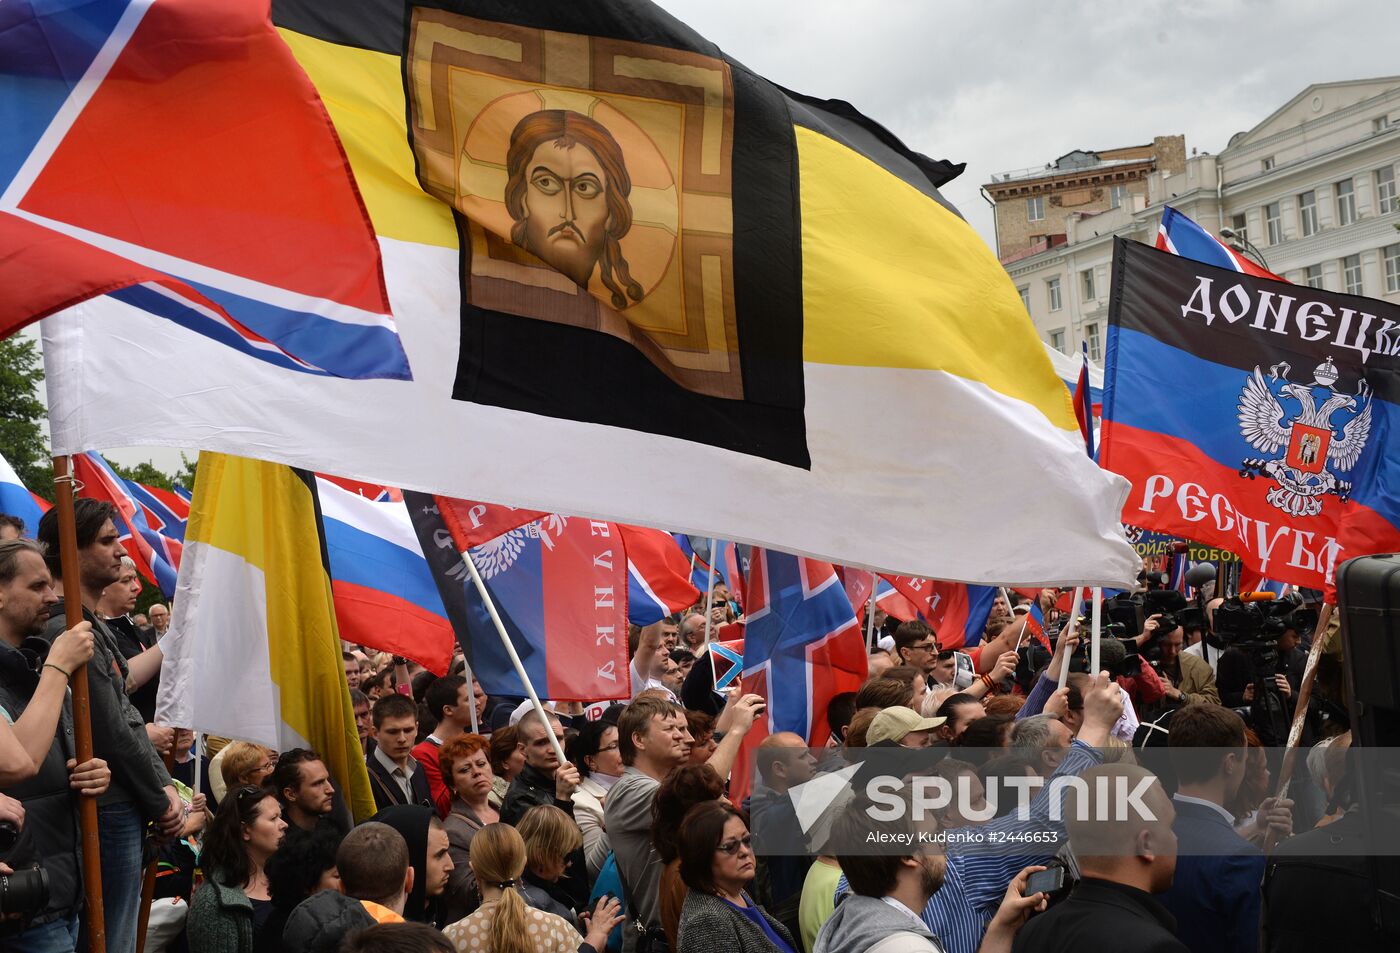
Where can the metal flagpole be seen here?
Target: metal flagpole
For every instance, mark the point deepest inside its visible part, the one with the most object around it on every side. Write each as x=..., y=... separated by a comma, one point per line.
x=1067, y=634
x=1095, y=632
x=514, y=658
x=709, y=589
x=467, y=671
x=82, y=708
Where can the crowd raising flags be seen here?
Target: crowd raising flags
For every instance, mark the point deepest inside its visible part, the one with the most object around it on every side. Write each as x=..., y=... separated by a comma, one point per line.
x=600, y=328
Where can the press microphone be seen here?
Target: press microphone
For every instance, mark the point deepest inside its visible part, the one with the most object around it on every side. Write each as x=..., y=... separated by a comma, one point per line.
x=1257, y=597
x=1200, y=574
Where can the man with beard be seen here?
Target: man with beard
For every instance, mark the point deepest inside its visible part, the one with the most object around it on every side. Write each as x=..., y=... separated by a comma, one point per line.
x=33, y=698
x=141, y=791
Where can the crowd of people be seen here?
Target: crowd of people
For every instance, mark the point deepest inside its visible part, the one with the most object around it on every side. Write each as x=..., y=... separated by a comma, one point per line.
x=504, y=827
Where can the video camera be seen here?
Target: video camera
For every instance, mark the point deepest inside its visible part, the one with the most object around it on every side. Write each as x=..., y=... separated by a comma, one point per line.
x=1124, y=664
x=1132, y=610
x=1255, y=628
x=24, y=893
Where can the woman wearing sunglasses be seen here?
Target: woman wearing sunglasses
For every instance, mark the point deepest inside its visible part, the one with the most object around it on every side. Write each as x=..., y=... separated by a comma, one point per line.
x=234, y=902
x=717, y=863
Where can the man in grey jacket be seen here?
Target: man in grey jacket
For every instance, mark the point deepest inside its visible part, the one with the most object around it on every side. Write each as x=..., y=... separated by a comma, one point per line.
x=141, y=790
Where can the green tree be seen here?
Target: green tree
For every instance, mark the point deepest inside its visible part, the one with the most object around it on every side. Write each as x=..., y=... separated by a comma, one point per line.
x=22, y=414
x=147, y=473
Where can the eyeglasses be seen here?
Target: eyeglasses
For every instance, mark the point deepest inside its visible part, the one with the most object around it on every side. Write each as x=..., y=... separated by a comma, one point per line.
x=732, y=847
x=611, y=747
x=924, y=646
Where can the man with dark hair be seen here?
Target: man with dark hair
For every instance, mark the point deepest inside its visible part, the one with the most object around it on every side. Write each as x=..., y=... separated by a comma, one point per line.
x=1123, y=861
x=916, y=645
x=1216, y=896
x=839, y=712
x=449, y=700
x=374, y=869
x=960, y=710
x=141, y=791
x=364, y=719
x=352, y=668
x=11, y=527
x=1189, y=678
x=394, y=774
x=33, y=699
x=651, y=737
x=303, y=785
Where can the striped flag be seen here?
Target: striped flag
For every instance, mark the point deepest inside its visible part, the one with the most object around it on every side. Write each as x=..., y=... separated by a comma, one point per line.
x=253, y=649
x=155, y=548
x=1180, y=235
x=384, y=593
x=1084, y=410
x=17, y=500
x=658, y=583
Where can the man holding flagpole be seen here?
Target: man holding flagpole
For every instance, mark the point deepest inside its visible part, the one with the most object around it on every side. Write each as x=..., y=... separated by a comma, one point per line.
x=141, y=789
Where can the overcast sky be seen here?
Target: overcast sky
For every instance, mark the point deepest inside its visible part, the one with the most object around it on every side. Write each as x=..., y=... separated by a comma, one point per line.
x=1008, y=84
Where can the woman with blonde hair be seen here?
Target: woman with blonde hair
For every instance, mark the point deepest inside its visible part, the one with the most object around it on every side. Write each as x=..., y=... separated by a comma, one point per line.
x=504, y=923
x=242, y=764
x=550, y=837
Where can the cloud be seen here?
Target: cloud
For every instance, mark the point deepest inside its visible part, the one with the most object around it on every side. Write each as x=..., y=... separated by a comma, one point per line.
x=1005, y=85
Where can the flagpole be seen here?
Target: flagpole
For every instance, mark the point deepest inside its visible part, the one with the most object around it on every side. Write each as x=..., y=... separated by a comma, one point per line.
x=870, y=615
x=471, y=679
x=1073, y=627
x=148, y=877
x=514, y=658
x=1300, y=712
x=82, y=708
x=1095, y=632
x=710, y=589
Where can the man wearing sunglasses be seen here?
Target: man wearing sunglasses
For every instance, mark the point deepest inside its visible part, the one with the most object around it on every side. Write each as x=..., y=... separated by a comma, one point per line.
x=916, y=646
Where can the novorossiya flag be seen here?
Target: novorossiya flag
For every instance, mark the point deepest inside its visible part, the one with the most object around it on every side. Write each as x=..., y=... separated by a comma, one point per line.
x=746, y=284
x=253, y=650
x=1253, y=415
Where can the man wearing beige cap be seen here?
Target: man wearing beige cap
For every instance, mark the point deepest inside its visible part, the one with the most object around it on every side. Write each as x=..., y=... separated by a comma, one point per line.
x=904, y=726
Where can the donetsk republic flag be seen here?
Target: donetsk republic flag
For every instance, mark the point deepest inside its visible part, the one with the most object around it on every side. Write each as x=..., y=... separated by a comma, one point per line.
x=253, y=650
x=616, y=260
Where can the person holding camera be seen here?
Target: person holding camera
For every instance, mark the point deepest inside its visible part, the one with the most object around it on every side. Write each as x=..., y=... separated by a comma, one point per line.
x=46, y=893
x=1189, y=678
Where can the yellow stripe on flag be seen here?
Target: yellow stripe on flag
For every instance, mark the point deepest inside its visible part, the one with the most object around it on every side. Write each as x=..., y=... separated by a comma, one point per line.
x=263, y=516
x=890, y=278
x=363, y=92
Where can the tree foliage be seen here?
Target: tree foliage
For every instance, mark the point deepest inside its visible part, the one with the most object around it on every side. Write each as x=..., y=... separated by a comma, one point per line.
x=22, y=438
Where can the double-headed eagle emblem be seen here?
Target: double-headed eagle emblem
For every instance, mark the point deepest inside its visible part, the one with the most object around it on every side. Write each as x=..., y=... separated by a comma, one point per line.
x=495, y=556
x=1315, y=452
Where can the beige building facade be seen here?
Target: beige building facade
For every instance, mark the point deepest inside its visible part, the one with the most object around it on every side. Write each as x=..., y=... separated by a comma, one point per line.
x=1313, y=188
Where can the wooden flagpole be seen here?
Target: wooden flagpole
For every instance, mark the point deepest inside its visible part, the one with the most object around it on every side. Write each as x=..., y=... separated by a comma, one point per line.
x=148, y=879
x=1300, y=712
x=82, y=708
x=510, y=651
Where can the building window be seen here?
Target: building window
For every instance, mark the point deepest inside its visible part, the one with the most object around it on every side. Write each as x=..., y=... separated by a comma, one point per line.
x=1035, y=208
x=1312, y=276
x=1057, y=340
x=1266, y=163
x=1025, y=292
x=1091, y=337
x=1086, y=278
x=1239, y=224
x=1307, y=213
x=1117, y=196
x=1052, y=287
x=1385, y=190
x=1380, y=124
x=1351, y=274
x=1391, y=253
x=1273, y=218
x=1346, y=203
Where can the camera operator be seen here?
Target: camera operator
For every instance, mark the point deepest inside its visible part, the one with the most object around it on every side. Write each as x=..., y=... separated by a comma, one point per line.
x=1209, y=648
x=1188, y=678
x=34, y=696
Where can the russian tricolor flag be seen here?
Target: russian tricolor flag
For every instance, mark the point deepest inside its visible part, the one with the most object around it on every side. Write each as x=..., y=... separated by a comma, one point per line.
x=385, y=596
x=17, y=500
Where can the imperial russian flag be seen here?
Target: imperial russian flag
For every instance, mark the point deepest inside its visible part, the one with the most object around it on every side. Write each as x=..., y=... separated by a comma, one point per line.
x=1276, y=441
x=156, y=554
x=385, y=597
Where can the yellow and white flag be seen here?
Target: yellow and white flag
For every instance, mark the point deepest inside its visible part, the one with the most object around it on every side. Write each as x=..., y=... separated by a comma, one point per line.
x=633, y=281
x=253, y=651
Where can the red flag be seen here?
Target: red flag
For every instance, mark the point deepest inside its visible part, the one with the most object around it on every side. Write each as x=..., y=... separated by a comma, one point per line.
x=472, y=523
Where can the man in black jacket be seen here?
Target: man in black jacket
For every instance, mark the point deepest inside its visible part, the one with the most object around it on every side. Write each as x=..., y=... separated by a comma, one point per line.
x=1123, y=863
x=34, y=698
x=544, y=780
x=141, y=789
x=395, y=776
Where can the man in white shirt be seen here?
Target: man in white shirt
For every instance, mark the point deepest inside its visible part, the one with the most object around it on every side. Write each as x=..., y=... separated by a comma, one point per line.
x=649, y=662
